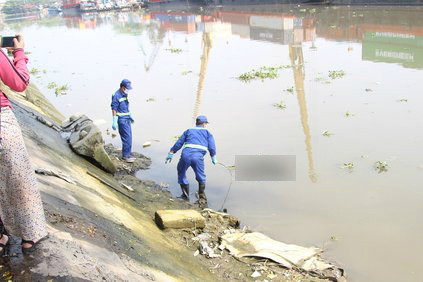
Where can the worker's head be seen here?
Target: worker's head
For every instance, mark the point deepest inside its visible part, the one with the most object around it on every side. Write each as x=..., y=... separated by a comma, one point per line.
x=125, y=85
x=201, y=121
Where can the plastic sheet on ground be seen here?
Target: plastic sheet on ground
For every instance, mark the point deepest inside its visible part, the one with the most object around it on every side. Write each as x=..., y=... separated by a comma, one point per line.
x=258, y=245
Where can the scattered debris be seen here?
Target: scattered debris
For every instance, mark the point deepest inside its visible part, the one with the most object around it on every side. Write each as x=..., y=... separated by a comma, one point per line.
x=281, y=105
x=381, y=166
x=150, y=100
x=336, y=74
x=327, y=133
x=348, y=114
x=256, y=244
x=333, y=238
x=368, y=90
x=256, y=274
x=207, y=251
x=129, y=188
x=404, y=100
x=59, y=174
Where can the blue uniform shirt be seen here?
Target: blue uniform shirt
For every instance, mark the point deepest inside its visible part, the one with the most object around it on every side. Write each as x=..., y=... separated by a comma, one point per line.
x=197, y=138
x=120, y=104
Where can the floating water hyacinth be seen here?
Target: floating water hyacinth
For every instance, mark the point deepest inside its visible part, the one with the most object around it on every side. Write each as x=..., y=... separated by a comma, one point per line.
x=51, y=85
x=174, y=50
x=262, y=73
x=281, y=105
x=381, y=166
x=349, y=166
x=336, y=74
x=327, y=133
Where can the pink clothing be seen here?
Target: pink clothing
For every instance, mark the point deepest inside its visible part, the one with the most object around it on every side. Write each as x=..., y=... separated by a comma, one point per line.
x=15, y=75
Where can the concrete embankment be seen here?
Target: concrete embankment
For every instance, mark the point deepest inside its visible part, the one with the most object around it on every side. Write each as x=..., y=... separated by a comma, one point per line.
x=100, y=231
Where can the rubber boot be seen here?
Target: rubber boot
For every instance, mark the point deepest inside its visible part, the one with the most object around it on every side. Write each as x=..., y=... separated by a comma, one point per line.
x=202, y=199
x=185, y=192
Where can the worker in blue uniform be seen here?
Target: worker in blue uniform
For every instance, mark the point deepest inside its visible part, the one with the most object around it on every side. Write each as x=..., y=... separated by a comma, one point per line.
x=195, y=143
x=122, y=118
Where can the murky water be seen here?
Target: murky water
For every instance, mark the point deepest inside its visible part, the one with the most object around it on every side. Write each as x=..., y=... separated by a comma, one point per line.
x=374, y=112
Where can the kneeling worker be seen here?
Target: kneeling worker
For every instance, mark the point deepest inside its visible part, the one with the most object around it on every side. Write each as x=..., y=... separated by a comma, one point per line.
x=195, y=143
x=122, y=118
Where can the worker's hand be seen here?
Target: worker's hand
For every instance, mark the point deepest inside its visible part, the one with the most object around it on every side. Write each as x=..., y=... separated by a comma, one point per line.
x=132, y=120
x=214, y=159
x=115, y=122
x=169, y=158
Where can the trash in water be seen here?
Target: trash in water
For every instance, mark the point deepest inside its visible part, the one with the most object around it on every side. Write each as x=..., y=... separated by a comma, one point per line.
x=146, y=144
x=381, y=166
x=403, y=100
x=368, y=90
x=348, y=114
x=150, y=100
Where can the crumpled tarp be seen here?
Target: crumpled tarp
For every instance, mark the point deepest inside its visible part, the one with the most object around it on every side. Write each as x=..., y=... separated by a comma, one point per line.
x=256, y=244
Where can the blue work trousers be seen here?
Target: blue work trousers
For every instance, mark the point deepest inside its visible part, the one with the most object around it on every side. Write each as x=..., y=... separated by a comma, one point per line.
x=191, y=158
x=125, y=132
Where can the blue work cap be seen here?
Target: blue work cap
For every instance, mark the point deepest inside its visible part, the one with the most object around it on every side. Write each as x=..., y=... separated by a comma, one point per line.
x=201, y=119
x=126, y=83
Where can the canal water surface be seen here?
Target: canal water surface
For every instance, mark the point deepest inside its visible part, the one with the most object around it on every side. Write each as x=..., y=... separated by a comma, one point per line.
x=184, y=62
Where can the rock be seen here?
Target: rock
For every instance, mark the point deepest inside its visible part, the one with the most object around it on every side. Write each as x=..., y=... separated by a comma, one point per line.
x=87, y=140
x=179, y=219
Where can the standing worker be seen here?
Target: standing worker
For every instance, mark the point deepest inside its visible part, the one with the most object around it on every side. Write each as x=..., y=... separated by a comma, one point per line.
x=195, y=143
x=122, y=118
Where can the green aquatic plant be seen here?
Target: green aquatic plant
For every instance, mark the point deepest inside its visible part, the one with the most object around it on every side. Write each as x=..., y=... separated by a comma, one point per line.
x=327, y=133
x=174, y=50
x=61, y=90
x=52, y=85
x=348, y=114
x=281, y=105
x=34, y=71
x=336, y=74
x=349, y=166
x=186, y=72
x=290, y=90
x=381, y=166
x=403, y=100
x=262, y=73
